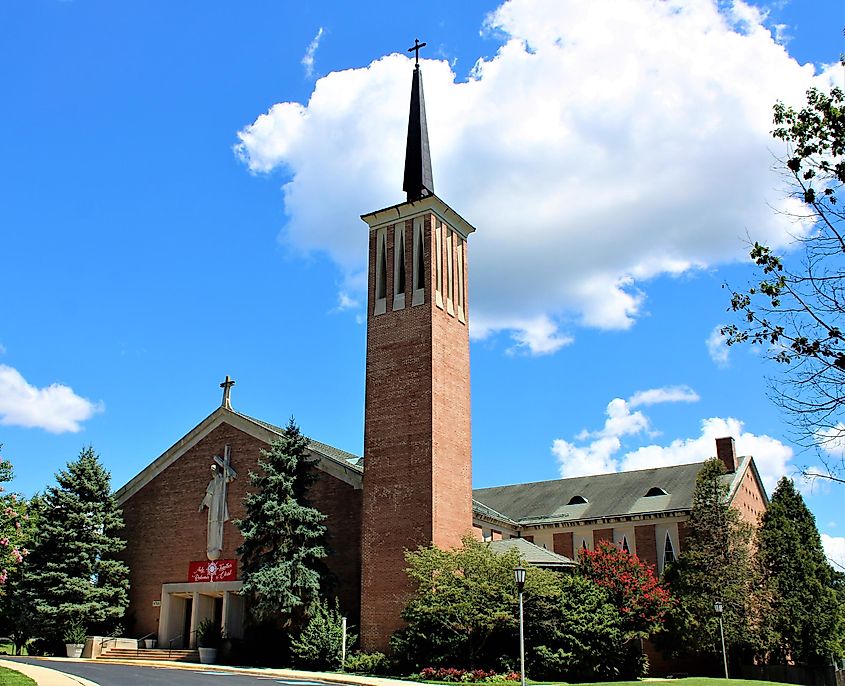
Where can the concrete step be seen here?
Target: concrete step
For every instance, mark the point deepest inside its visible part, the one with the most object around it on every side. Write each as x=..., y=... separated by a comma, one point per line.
x=150, y=654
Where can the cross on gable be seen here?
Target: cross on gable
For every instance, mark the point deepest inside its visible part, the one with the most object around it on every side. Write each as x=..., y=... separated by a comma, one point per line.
x=227, y=388
x=416, y=50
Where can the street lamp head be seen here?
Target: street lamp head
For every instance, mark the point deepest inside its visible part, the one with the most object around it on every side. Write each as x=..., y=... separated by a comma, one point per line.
x=519, y=577
x=717, y=606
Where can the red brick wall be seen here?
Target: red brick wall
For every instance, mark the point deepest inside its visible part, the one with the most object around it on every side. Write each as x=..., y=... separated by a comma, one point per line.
x=165, y=531
x=563, y=544
x=683, y=529
x=417, y=449
x=530, y=539
x=749, y=499
x=602, y=535
x=646, y=543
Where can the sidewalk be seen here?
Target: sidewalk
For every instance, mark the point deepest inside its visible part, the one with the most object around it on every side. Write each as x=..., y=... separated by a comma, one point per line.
x=44, y=676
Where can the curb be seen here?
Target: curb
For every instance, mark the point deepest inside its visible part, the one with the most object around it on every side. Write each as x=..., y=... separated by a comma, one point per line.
x=330, y=677
x=45, y=676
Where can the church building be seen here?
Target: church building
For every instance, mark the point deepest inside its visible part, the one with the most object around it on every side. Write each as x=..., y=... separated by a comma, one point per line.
x=413, y=485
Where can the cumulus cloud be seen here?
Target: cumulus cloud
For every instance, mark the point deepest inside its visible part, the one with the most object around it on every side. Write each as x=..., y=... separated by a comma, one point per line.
x=834, y=548
x=310, y=52
x=601, y=451
x=717, y=347
x=55, y=408
x=603, y=145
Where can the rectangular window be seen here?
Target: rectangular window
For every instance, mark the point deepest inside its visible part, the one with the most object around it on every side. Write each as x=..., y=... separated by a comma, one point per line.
x=418, y=298
x=381, y=272
x=459, y=277
x=399, y=266
x=438, y=261
x=450, y=278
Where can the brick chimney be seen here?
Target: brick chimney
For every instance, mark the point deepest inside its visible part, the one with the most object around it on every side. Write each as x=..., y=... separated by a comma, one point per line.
x=726, y=452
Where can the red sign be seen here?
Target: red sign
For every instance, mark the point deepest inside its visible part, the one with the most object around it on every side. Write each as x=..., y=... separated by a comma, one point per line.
x=216, y=570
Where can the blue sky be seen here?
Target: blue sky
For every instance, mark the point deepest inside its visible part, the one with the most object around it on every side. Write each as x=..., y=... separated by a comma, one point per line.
x=181, y=185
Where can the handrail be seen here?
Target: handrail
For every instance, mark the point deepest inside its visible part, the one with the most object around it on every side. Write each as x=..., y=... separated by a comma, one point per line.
x=176, y=638
x=141, y=640
x=103, y=641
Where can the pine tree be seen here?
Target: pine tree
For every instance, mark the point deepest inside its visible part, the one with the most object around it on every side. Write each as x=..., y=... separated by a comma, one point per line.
x=73, y=575
x=283, y=537
x=716, y=565
x=804, y=612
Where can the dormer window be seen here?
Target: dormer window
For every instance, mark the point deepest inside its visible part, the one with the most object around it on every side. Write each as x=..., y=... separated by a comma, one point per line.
x=577, y=500
x=655, y=490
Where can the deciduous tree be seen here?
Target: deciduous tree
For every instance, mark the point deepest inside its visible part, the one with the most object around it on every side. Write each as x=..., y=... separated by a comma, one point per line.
x=795, y=308
x=632, y=585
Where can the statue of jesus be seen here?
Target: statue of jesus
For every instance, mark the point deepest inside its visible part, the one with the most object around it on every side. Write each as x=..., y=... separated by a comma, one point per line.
x=215, y=500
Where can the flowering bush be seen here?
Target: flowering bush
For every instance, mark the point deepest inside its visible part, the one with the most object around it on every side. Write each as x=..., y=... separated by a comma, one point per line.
x=12, y=515
x=632, y=585
x=466, y=676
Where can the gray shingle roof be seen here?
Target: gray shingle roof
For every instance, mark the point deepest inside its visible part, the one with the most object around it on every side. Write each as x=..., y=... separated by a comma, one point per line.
x=607, y=495
x=531, y=553
x=323, y=448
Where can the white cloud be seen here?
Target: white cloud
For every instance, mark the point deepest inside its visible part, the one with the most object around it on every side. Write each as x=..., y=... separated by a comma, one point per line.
x=55, y=408
x=346, y=302
x=667, y=394
x=717, y=346
x=770, y=455
x=603, y=145
x=310, y=51
x=834, y=548
x=538, y=336
x=601, y=451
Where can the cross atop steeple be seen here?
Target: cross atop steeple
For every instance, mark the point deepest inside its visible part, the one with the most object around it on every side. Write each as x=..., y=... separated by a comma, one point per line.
x=418, y=182
x=416, y=50
x=227, y=388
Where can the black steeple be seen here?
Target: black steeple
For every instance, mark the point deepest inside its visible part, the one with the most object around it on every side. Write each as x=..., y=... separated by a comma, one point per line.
x=418, y=182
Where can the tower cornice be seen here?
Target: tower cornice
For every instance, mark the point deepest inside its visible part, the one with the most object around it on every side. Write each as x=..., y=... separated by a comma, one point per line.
x=409, y=210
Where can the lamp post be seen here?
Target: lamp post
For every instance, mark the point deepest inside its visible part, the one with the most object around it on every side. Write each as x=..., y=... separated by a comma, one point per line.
x=717, y=606
x=519, y=577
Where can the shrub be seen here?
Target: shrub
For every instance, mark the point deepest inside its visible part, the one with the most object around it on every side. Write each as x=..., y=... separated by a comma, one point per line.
x=467, y=676
x=367, y=663
x=75, y=633
x=209, y=634
x=320, y=643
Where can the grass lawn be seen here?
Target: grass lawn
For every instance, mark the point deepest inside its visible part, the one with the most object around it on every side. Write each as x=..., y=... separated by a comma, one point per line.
x=690, y=681
x=9, y=677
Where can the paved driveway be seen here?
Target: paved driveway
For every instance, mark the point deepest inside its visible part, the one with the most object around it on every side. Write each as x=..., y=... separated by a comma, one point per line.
x=107, y=674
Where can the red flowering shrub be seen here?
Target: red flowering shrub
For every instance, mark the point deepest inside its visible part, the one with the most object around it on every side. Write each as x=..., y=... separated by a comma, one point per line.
x=632, y=585
x=466, y=676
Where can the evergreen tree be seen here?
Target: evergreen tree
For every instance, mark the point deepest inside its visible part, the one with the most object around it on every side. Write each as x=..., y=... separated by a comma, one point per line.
x=716, y=565
x=283, y=537
x=73, y=574
x=804, y=611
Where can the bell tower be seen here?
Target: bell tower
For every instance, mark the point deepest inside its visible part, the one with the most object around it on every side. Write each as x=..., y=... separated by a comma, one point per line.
x=417, y=436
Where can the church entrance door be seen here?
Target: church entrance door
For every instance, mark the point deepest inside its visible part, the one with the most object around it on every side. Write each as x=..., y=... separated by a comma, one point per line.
x=185, y=606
